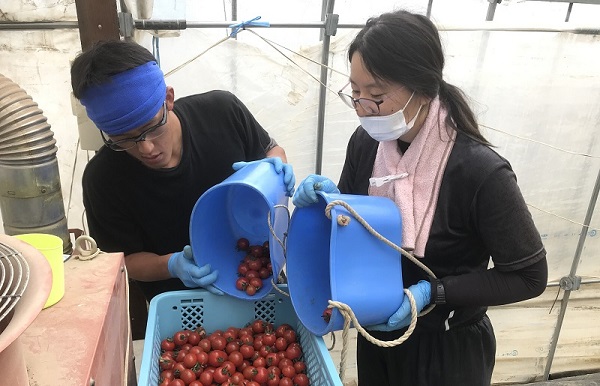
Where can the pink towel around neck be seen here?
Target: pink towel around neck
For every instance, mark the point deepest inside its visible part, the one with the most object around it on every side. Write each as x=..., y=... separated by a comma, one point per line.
x=416, y=176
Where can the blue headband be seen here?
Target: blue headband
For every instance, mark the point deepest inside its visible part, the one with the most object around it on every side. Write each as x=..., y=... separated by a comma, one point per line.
x=128, y=101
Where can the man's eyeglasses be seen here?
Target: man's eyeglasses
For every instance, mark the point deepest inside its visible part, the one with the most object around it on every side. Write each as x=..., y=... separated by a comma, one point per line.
x=150, y=133
x=370, y=106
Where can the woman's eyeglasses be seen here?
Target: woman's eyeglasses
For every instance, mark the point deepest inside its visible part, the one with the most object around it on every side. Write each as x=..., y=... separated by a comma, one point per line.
x=369, y=105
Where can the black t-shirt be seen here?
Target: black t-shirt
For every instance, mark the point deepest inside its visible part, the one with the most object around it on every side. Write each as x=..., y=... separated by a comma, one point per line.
x=480, y=213
x=132, y=208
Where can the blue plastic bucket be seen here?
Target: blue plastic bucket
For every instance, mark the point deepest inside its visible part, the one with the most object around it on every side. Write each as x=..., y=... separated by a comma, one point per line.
x=327, y=261
x=239, y=207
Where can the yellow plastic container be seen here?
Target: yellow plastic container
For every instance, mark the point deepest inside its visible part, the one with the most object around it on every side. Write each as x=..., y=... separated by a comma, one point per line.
x=51, y=247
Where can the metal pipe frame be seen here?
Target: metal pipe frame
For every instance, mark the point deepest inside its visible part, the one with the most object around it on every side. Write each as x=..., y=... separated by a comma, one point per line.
x=328, y=26
x=574, y=265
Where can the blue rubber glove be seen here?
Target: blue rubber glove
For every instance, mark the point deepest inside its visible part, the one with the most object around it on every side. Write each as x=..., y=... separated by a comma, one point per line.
x=401, y=318
x=305, y=195
x=182, y=265
x=289, y=179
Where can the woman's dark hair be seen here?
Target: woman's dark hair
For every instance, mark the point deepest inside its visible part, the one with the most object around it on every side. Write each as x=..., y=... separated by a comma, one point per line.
x=405, y=48
x=104, y=59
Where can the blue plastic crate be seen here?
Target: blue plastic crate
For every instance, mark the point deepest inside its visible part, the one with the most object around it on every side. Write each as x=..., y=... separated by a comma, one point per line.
x=172, y=311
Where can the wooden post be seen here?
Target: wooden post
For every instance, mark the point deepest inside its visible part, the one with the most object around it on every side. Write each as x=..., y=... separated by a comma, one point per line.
x=98, y=20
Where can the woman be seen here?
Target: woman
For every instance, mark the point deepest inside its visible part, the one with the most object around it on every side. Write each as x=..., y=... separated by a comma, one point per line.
x=419, y=144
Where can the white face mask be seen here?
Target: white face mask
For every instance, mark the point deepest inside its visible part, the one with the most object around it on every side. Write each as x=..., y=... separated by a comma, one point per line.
x=389, y=127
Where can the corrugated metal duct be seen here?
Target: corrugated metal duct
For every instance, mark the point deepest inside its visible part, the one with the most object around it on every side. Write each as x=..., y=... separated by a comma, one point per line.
x=31, y=199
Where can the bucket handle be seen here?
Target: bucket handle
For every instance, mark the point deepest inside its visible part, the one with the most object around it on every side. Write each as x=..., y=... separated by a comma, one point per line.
x=282, y=243
x=349, y=316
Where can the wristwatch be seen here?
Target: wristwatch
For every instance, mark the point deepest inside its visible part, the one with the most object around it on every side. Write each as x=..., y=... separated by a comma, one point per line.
x=438, y=293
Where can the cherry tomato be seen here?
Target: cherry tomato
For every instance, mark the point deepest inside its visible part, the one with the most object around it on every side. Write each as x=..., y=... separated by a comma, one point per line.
x=178, y=369
x=205, y=345
x=242, y=283
x=259, y=362
x=217, y=357
x=221, y=374
x=264, y=273
x=274, y=372
x=300, y=380
x=251, y=290
x=236, y=358
x=206, y=378
x=247, y=351
x=300, y=367
x=190, y=360
x=165, y=382
x=237, y=378
x=280, y=330
x=290, y=336
x=232, y=346
x=187, y=376
x=281, y=344
x=271, y=359
x=264, y=351
x=242, y=244
x=176, y=382
x=193, y=338
x=288, y=371
x=230, y=335
x=293, y=351
x=256, y=250
x=166, y=363
x=180, y=338
x=249, y=372
x=181, y=355
x=262, y=375
x=256, y=282
x=167, y=374
x=167, y=344
x=285, y=381
x=218, y=342
x=285, y=362
x=229, y=366
x=269, y=339
x=202, y=358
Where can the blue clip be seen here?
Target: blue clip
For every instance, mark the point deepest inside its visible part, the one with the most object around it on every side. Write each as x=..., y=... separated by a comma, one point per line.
x=235, y=28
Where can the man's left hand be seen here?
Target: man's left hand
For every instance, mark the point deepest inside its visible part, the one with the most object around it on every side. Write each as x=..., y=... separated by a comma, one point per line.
x=289, y=179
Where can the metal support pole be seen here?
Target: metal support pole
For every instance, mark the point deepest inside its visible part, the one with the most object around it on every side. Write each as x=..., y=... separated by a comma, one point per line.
x=491, y=10
x=429, y=5
x=569, y=11
x=331, y=22
x=576, y=258
x=234, y=12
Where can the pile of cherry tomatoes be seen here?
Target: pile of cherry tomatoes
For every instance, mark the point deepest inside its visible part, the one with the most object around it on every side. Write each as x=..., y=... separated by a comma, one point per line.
x=255, y=355
x=254, y=267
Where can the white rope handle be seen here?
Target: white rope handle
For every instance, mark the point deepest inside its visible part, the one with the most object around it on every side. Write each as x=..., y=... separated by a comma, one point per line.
x=349, y=316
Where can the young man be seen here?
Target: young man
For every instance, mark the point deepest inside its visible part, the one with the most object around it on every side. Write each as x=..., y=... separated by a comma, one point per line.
x=160, y=156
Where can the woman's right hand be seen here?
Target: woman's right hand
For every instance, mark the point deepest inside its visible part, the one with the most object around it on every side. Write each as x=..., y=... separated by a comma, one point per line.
x=306, y=193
